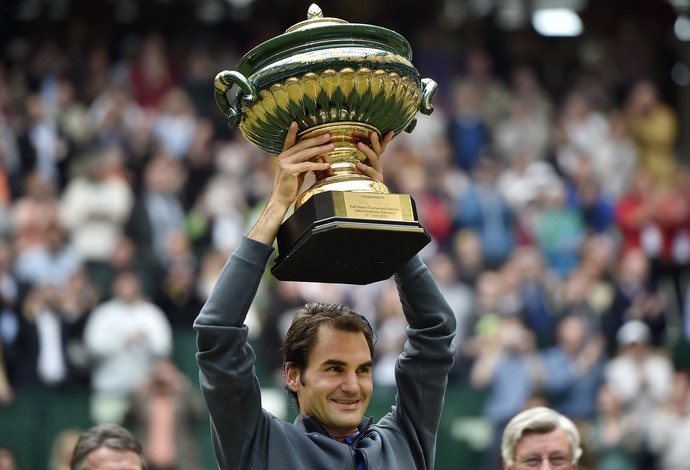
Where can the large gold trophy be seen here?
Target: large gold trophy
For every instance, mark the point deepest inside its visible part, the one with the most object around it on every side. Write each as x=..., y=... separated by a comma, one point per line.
x=348, y=80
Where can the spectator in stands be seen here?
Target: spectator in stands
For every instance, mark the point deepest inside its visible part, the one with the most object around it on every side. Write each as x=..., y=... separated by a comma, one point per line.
x=492, y=96
x=125, y=256
x=389, y=323
x=124, y=336
x=654, y=127
x=615, y=439
x=559, y=231
x=163, y=415
x=537, y=289
x=521, y=181
x=668, y=430
x=44, y=353
x=635, y=216
x=52, y=262
x=120, y=122
x=151, y=76
x=585, y=195
x=157, y=212
x=639, y=377
x=434, y=213
x=179, y=297
x=483, y=209
x=466, y=249
x=218, y=214
x=510, y=370
x=528, y=124
x=467, y=132
x=489, y=310
x=459, y=296
x=36, y=210
x=174, y=126
x=616, y=159
x=672, y=219
x=42, y=146
x=95, y=206
x=576, y=297
x=580, y=131
x=574, y=370
x=636, y=297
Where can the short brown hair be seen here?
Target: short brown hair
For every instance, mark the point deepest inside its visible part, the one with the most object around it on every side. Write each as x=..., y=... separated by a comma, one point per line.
x=301, y=336
x=108, y=435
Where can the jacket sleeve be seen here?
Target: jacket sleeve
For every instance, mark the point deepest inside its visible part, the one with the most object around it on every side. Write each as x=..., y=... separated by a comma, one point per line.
x=226, y=361
x=422, y=369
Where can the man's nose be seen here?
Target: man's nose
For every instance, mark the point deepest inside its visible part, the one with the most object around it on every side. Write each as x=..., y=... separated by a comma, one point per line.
x=350, y=382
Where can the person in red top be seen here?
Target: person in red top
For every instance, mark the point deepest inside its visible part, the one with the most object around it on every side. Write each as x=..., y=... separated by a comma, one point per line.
x=656, y=219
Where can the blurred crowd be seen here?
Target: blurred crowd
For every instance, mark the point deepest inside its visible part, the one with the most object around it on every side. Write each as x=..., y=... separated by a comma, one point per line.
x=560, y=226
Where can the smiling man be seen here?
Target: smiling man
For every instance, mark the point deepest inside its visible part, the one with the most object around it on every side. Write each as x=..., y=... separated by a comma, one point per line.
x=328, y=356
x=540, y=438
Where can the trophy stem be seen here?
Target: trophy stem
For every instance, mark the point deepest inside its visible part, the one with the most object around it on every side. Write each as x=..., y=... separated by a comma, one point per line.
x=343, y=160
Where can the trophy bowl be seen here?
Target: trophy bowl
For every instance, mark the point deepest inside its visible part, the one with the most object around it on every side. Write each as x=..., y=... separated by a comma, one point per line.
x=350, y=80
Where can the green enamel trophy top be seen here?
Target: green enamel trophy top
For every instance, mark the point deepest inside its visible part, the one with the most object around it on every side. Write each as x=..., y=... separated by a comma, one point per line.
x=319, y=33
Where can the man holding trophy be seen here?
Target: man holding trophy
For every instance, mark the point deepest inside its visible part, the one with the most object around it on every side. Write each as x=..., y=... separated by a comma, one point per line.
x=329, y=349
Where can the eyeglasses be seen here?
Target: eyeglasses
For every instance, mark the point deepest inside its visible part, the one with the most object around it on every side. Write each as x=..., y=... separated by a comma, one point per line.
x=555, y=461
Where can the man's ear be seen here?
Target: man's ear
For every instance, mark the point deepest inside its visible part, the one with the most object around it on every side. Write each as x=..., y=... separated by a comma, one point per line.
x=292, y=377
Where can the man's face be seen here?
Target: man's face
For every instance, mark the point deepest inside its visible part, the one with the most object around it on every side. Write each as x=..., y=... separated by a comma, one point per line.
x=336, y=386
x=543, y=451
x=105, y=458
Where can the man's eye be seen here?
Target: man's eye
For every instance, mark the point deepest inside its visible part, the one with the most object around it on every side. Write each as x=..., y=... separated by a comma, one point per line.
x=534, y=462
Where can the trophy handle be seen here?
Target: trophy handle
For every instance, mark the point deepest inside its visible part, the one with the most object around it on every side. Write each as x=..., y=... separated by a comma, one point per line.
x=223, y=82
x=429, y=88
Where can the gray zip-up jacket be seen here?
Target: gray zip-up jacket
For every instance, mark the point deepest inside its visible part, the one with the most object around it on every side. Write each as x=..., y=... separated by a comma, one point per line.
x=247, y=437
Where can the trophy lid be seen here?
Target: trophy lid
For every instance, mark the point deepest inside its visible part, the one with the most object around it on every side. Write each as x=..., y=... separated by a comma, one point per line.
x=319, y=33
x=314, y=19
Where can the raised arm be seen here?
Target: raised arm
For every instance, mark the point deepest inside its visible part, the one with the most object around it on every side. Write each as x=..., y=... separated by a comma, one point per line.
x=422, y=369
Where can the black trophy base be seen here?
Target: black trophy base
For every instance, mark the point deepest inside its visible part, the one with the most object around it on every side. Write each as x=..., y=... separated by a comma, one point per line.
x=348, y=238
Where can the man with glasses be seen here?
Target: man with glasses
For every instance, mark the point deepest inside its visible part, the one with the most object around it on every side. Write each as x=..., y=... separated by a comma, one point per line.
x=540, y=438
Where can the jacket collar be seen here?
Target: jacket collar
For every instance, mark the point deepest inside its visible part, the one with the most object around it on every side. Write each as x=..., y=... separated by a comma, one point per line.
x=310, y=424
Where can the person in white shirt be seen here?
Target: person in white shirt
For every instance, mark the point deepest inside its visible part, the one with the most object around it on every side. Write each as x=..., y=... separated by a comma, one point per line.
x=639, y=377
x=124, y=336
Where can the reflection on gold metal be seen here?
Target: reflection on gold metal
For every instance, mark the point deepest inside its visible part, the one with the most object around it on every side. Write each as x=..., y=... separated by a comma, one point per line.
x=343, y=160
x=381, y=99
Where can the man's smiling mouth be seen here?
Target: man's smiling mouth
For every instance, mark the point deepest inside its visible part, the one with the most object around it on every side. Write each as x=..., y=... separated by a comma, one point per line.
x=346, y=402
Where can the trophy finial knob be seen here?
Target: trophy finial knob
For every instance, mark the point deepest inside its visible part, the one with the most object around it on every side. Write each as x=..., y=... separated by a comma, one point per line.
x=314, y=12
x=314, y=19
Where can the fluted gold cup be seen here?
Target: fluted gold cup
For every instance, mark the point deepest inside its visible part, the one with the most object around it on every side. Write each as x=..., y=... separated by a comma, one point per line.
x=349, y=80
